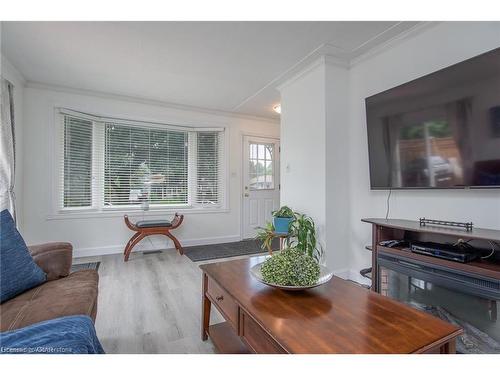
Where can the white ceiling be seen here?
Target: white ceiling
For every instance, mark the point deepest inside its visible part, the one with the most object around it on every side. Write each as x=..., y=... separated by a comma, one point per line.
x=227, y=66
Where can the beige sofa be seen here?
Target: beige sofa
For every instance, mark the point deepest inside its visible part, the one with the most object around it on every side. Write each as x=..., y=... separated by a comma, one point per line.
x=63, y=293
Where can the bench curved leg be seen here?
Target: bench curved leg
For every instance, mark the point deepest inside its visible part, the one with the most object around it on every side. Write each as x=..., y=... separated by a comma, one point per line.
x=135, y=242
x=130, y=242
x=176, y=242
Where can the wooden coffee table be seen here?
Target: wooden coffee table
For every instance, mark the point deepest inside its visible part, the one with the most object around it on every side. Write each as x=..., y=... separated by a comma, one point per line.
x=338, y=317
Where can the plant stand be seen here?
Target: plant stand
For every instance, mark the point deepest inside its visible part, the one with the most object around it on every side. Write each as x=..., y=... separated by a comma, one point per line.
x=282, y=237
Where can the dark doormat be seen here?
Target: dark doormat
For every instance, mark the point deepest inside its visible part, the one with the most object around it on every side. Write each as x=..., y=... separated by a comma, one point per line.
x=85, y=266
x=226, y=250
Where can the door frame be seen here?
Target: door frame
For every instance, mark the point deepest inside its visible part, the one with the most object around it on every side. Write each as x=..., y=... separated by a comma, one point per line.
x=242, y=177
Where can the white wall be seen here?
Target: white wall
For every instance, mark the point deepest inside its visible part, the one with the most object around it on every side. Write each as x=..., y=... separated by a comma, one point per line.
x=13, y=76
x=431, y=50
x=107, y=233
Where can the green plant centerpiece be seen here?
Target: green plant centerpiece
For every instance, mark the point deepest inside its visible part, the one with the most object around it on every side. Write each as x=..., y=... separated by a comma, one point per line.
x=291, y=267
x=297, y=265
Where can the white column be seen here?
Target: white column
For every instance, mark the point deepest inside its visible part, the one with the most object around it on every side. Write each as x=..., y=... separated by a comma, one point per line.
x=337, y=168
x=314, y=158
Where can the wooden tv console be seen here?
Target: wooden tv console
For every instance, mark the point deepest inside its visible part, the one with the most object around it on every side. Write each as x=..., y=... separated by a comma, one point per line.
x=394, y=229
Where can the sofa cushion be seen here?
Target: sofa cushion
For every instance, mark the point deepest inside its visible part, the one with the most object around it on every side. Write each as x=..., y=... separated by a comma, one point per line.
x=19, y=272
x=54, y=258
x=66, y=335
x=75, y=294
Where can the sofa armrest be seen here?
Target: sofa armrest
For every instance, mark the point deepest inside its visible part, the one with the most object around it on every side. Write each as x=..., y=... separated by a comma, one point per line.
x=53, y=258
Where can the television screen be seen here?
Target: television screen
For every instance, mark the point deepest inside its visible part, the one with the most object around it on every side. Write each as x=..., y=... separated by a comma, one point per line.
x=439, y=131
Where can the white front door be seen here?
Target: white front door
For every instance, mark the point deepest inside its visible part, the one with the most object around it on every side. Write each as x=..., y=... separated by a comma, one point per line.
x=261, y=184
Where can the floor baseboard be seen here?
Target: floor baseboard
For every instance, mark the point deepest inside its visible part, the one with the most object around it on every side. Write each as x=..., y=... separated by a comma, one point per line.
x=350, y=274
x=146, y=246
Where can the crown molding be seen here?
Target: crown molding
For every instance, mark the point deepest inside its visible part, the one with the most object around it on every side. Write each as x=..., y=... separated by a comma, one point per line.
x=324, y=54
x=301, y=72
x=333, y=55
x=336, y=61
x=12, y=69
x=320, y=60
x=336, y=57
x=392, y=42
x=147, y=101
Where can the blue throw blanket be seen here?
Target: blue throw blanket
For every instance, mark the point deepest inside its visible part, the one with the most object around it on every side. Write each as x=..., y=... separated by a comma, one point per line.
x=68, y=335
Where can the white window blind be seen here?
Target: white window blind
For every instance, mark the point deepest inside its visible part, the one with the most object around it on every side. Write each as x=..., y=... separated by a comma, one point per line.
x=116, y=164
x=145, y=163
x=77, y=162
x=208, y=162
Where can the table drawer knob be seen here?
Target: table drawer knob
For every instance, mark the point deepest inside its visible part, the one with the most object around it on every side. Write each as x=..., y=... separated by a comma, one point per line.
x=219, y=298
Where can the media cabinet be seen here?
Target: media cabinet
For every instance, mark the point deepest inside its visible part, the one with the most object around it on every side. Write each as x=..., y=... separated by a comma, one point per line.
x=464, y=294
x=394, y=229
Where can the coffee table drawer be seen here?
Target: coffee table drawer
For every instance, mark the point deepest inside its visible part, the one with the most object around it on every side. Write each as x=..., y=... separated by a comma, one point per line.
x=256, y=338
x=223, y=302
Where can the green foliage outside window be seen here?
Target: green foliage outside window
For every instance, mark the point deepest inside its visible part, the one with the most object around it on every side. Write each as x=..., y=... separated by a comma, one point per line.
x=437, y=129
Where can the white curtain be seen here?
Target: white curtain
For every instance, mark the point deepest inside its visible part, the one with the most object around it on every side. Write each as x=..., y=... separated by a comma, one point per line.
x=7, y=148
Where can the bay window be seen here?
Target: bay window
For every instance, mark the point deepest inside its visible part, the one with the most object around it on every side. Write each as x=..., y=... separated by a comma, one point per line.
x=119, y=164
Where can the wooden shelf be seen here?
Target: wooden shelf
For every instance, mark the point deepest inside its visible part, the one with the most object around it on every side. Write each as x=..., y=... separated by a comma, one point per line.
x=225, y=340
x=479, y=267
x=412, y=231
x=414, y=226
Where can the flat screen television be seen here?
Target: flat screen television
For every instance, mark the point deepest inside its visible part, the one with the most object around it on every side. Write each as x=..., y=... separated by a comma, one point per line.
x=438, y=131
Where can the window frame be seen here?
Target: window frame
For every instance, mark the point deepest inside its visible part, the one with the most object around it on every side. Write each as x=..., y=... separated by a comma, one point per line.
x=97, y=209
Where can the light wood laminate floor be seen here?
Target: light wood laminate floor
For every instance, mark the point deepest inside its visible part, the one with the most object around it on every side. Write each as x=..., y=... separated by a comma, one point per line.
x=150, y=304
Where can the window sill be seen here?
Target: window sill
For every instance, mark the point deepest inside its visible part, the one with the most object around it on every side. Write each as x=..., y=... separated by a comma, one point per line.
x=152, y=212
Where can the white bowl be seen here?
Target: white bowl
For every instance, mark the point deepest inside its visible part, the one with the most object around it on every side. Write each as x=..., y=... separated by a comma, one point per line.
x=325, y=276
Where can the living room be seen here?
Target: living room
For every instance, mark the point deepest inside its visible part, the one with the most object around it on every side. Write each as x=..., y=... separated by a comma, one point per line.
x=295, y=185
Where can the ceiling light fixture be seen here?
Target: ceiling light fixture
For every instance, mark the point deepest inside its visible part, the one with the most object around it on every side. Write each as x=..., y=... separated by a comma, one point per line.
x=277, y=108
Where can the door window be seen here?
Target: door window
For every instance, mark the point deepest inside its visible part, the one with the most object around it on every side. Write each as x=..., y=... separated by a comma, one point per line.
x=261, y=166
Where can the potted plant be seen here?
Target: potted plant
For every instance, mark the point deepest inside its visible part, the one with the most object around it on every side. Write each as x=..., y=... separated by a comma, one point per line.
x=282, y=219
x=303, y=236
x=266, y=235
x=297, y=266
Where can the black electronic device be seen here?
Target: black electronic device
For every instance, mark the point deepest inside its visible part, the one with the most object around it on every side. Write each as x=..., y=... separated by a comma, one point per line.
x=394, y=243
x=444, y=251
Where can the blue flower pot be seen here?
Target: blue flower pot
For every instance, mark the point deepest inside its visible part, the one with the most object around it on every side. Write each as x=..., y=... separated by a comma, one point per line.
x=282, y=224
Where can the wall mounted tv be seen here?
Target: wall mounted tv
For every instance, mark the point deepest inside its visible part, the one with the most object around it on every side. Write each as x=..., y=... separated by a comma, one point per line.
x=438, y=131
